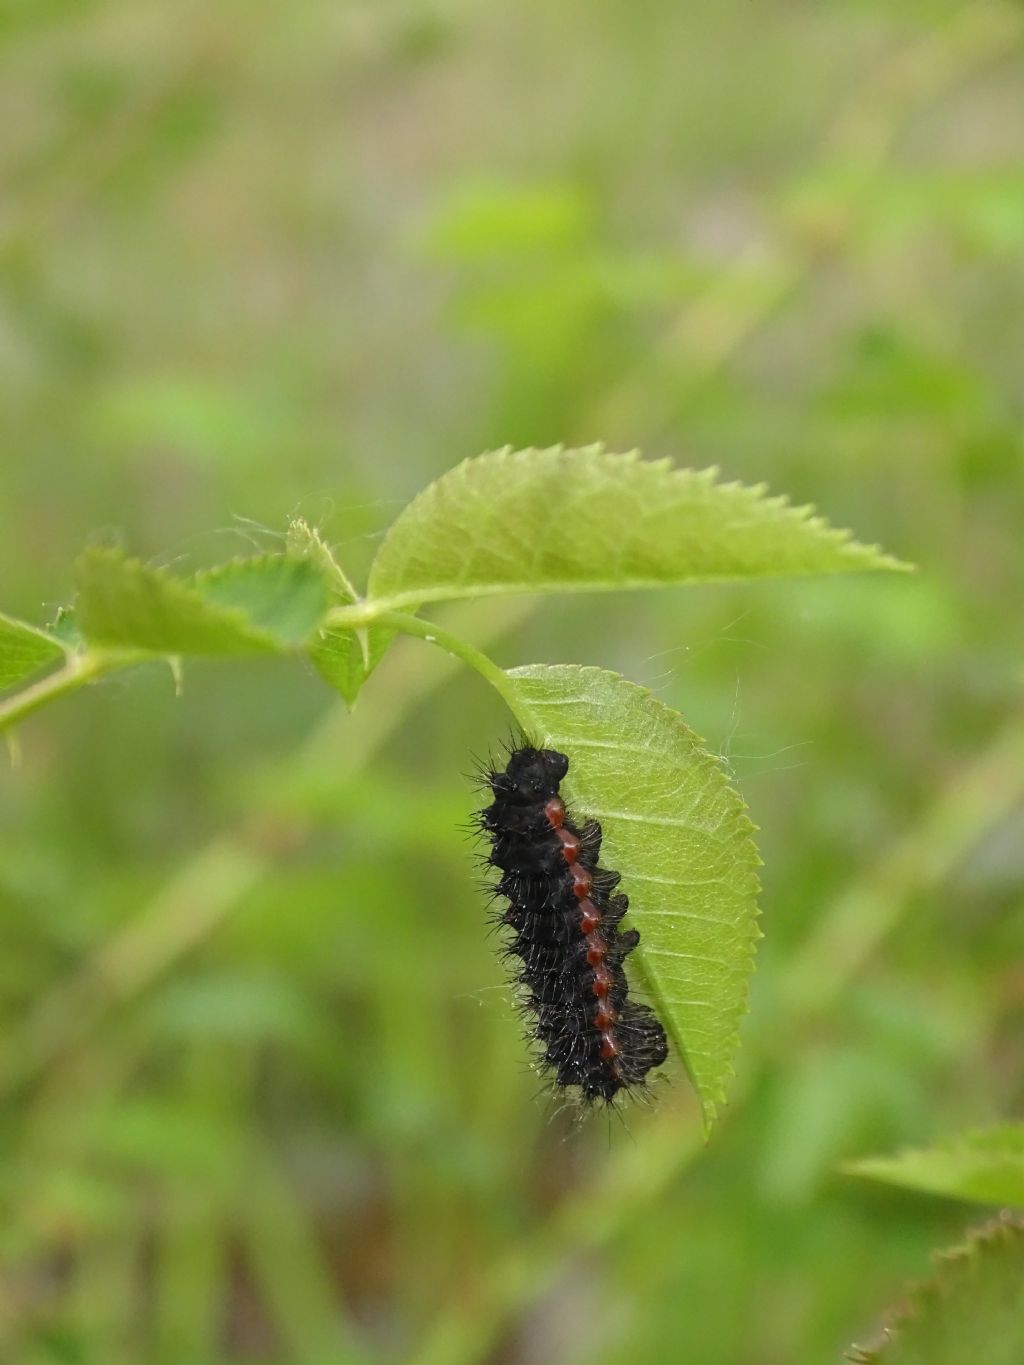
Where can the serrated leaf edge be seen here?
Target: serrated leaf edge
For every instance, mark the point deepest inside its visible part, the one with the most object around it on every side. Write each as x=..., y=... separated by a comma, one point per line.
x=711, y=1099
x=806, y=514
x=317, y=545
x=247, y=564
x=189, y=589
x=921, y=1293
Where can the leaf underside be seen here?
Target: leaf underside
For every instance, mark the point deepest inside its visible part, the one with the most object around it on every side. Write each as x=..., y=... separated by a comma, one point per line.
x=678, y=833
x=586, y=520
x=970, y=1311
x=986, y=1165
x=24, y=650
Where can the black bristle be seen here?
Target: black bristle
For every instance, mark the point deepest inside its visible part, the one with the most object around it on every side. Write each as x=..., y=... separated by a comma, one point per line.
x=561, y=931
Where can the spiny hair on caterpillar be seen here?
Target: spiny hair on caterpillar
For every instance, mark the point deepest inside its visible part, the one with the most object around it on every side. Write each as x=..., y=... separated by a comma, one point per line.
x=559, y=913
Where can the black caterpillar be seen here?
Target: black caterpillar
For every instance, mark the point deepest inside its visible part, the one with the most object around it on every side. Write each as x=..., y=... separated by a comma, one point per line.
x=563, y=927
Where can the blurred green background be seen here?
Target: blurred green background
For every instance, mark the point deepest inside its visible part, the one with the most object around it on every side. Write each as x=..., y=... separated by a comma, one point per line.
x=262, y=1094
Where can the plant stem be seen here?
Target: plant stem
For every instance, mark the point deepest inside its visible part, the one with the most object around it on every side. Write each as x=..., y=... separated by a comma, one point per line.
x=88, y=665
x=78, y=670
x=455, y=645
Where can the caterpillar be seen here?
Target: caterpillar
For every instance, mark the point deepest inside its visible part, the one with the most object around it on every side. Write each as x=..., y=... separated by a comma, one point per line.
x=562, y=935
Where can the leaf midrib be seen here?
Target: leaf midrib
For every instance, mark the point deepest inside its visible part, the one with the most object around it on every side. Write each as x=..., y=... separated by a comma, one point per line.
x=443, y=592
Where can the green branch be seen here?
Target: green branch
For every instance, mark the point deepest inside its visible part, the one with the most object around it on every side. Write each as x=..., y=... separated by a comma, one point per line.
x=79, y=670
x=451, y=644
x=85, y=667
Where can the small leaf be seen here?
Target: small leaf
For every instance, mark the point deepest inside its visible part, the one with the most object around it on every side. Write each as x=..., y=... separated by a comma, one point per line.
x=270, y=603
x=346, y=658
x=305, y=542
x=678, y=833
x=986, y=1166
x=586, y=521
x=24, y=650
x=972, y=1310
x=343, y=658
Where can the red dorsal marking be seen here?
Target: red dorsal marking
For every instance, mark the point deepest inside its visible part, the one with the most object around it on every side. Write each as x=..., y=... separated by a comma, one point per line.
x=570, y=845
x=580, y=998
x=590, y=916
x=582, y=881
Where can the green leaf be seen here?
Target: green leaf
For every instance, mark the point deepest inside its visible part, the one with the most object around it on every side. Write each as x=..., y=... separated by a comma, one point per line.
x=305, y=542
x=281, y=597
x=971, y=1311
x=344, y=658
x=586, y=521
x=267, y=604
x=678, y=833
x=987, y=1166
x=24, y=650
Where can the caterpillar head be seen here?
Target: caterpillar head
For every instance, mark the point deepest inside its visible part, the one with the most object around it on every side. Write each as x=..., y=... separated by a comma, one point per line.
x=532, y=775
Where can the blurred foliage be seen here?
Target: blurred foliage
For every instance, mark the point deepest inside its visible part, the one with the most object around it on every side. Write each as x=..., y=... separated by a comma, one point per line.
x=972, y=1308
x=263, y=1095
x=985, y=1164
